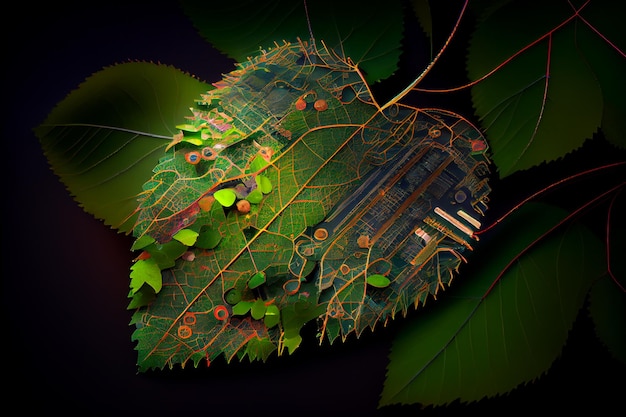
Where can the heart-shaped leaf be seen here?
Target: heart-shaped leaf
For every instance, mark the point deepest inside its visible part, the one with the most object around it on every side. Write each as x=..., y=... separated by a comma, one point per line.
x=363, y=212
x=552, y=80
x=105, y=137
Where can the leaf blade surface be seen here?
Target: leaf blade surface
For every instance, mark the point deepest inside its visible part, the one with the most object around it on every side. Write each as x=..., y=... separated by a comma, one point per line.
x=484, y=342
x=105, y=137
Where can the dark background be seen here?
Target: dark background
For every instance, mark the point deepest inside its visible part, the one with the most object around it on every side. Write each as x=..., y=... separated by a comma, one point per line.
x=66, y=340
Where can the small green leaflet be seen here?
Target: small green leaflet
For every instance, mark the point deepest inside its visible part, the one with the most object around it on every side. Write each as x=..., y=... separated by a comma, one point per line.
x=186, y=236
x=145, y=271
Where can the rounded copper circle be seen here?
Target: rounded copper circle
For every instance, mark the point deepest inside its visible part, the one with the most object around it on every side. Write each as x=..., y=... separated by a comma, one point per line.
x=320, y=234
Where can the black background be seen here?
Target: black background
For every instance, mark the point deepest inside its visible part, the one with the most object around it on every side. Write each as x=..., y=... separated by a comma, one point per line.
x=66, y=340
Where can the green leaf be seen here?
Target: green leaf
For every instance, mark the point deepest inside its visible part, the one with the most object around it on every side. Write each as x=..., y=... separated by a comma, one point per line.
x=257, y=311
x=608, y=65
x=242, y=308
x=142, y=242
x=272, y=316
x=208, y=238
x=256, y=280
x=186, y=236
x=546, y=101
x=142, y=297
x=264, y=184
x=608, y=310
x=209, y=235
x=165, y=255
x=239, y=29
x=259, y=349
x=257, y=164
x=188, y=128
x=292, y=343
x=145, y=271
x=377, y=280
x=233, y=296
x=421, y=8
x=105, y=137
x=294, y=316
x=484, y=340
x=255, y=196
x=225, y=197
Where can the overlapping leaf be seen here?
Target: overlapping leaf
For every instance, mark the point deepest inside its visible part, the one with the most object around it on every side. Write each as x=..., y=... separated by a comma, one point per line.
x=548, y=92
x=104, y=139
x=499, y=330
x=361, y=32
